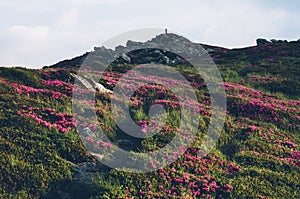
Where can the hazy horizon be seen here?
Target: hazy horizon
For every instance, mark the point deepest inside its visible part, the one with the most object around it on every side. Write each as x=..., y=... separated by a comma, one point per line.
x=38, y=33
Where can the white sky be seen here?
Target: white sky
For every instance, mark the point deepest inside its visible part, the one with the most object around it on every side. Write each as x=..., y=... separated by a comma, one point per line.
x=35, y=33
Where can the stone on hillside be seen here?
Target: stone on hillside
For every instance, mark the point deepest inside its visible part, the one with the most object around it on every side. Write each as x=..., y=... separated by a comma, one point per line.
x=126, y=57
x=82, y=80
x=88, y=133
x=261, y=41
x=91, y=84
x=100, y=88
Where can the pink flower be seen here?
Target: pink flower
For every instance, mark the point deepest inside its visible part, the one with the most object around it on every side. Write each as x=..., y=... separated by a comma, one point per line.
x=107, y=144
x=144, y=130
x=142, y=192
x=90, y=139
x=173, y=170
x=252, y=128
x=228, y=188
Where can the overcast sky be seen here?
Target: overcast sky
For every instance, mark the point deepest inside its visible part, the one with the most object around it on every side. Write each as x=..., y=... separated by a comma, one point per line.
x=35, y=33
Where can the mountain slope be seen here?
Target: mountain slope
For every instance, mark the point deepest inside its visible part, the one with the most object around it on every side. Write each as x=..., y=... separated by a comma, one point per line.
x=257, y=155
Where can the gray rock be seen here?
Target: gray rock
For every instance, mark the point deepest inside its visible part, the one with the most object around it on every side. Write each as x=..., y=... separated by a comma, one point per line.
x=91, y=84
x=126, y=57
x=100, y=88
x=83, y=81
x=86, y=132
x=260, y=42
x=166, y=59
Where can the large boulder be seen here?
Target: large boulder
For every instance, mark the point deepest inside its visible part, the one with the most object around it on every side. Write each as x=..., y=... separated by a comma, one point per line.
x=261, y=41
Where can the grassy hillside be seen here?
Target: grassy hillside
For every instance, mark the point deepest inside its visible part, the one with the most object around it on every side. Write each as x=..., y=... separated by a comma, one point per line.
x=257, y=154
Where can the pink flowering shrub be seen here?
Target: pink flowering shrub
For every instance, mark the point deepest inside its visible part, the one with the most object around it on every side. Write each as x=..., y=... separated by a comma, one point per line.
x=50, y=118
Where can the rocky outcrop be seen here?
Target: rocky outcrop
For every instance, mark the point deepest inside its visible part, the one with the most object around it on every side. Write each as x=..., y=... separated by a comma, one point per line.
x=140, y=52
x=91, y=84
x=261, y=41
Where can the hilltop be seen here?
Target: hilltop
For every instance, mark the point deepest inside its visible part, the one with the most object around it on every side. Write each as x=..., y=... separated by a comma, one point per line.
x=274, y=59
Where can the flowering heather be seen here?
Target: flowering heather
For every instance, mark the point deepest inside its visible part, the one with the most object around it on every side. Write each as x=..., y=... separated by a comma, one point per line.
x=50, y=118
x=256, y=156
x=259, y=105
x=22, y=89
